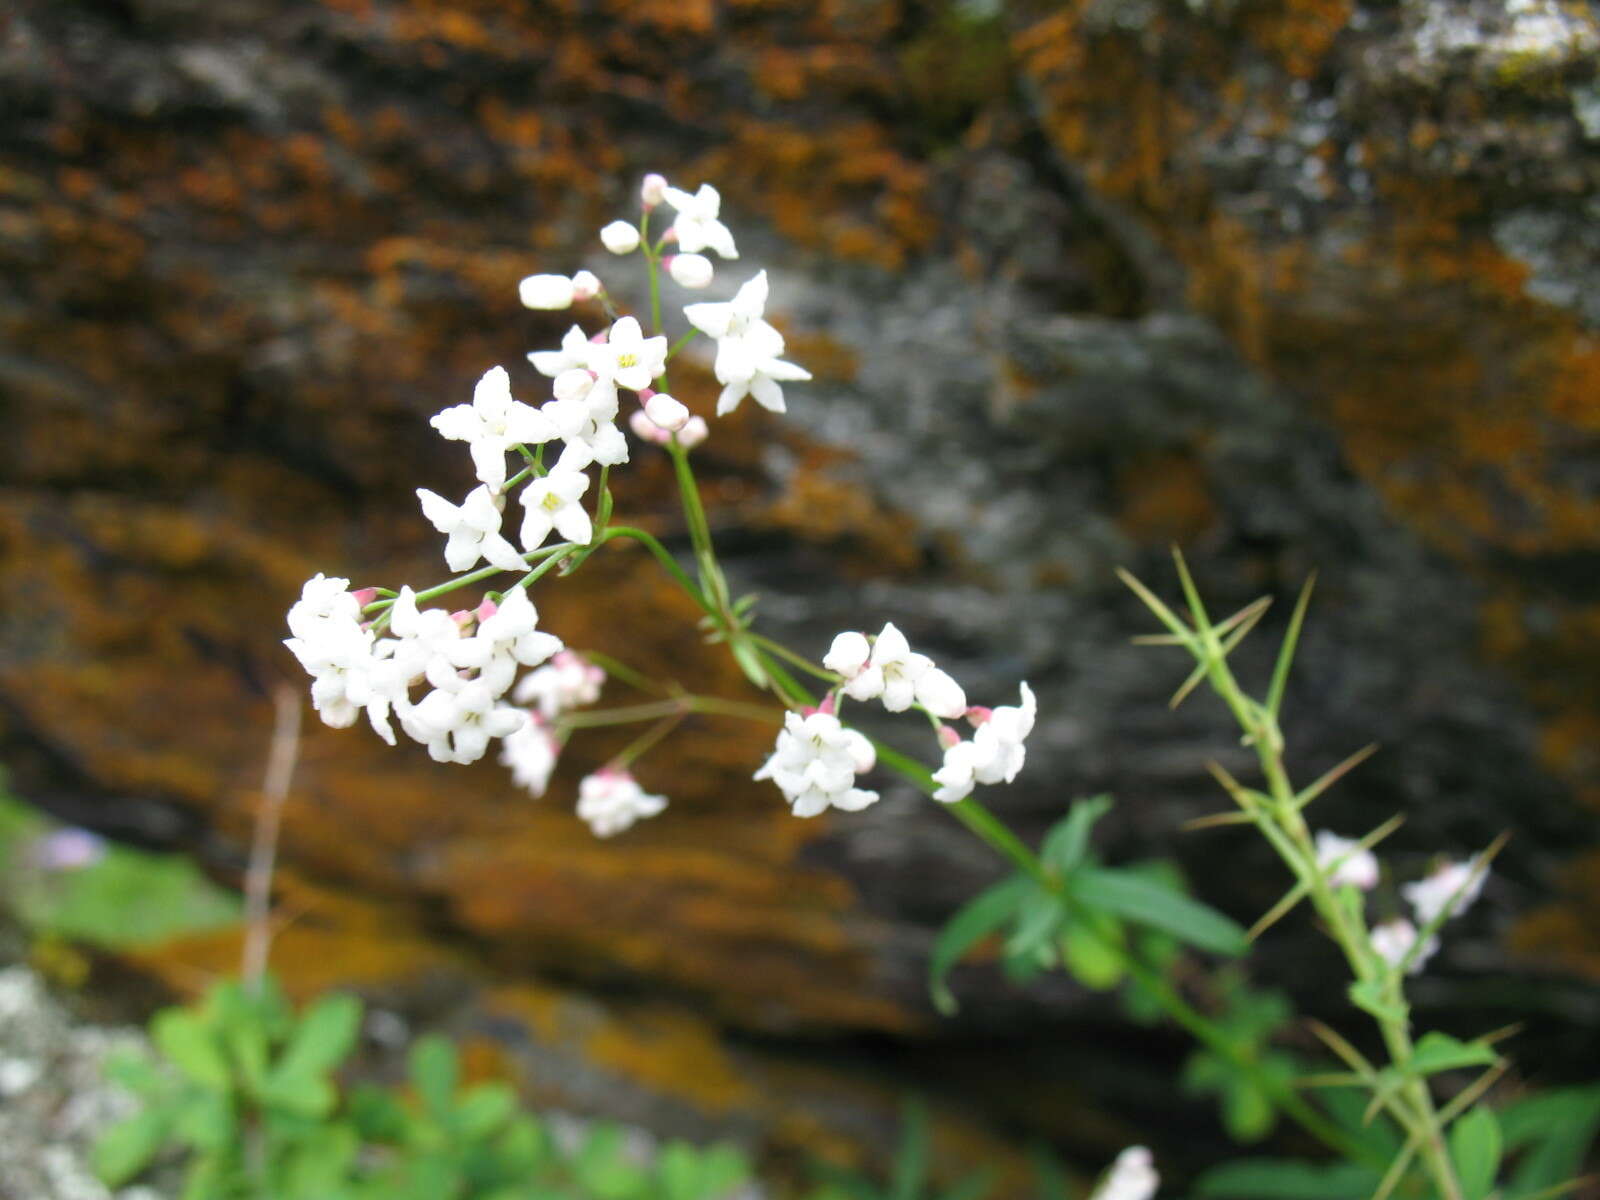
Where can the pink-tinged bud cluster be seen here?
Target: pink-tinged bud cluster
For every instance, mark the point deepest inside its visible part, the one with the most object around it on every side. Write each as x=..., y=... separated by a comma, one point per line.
x=611, y=801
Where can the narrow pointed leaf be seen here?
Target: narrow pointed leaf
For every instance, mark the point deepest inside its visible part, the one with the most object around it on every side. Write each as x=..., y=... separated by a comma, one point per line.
x=1280, y=670
x=1325, y=781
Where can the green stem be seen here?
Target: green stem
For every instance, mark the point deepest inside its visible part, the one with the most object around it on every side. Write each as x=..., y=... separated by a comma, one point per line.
x=680, y=344
x=461, y=581
x=664, y=557
x=999, y=837
x=799, y=660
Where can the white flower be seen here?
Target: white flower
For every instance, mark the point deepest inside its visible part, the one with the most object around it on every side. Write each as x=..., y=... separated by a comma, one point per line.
x=690, y=270
x=551, y=502
x=1132, y=1177
x=697, y=225
x=620, y=237
x=456, y=726
x=586, y=286
x=567, y=681
x=652, y=190
x=892, y=671
x=627, y=358
x=959, y=774
x=1359, y=868
x=511, y=635
x=322, y=599
x=665, y=411
x=546, y=291
x=611, y=801
x=1429, y=897
x=748, y=348
x=585, y=427
x=573, y=355
x=999, y=739
x=815, y=763
x=337, y=655
x=1393, y=940
x=472, y=530
x=531, y=753
x=492, y=424
x=428, y=643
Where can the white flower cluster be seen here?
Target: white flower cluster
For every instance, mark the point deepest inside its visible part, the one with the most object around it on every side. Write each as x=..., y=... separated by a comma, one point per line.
x=1453, y=886
x=469, y=660
x=816, y=762
x=817, y=759
x=1132, y=1177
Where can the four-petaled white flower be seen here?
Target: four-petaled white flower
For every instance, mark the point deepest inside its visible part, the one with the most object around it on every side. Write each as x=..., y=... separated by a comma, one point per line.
x=1453, y=881
x=492, y=424
x=958, y=775
x=815, y=763
x=1131, y=1177
x=472, y=529
x=1000, y=738
x=512, y=637
x=531, y=752
x=697, y=226
x=748, y=348
x=1357, y=866
x=567, y=681
x=627, y=358
x=457, y=726
x=611, y=801
x=889, y=669
x=1392, y=941
x=551, y=502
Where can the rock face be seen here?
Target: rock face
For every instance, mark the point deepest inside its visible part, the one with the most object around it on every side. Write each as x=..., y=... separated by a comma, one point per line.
x=1301, y=285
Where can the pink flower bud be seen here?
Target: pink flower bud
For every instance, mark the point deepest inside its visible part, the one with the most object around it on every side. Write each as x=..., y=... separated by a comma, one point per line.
x=365, y=596
x=670, y=236
x=486, y=610
x=647, y=430
x=978, y=714
x=948, y=737
x=653, y=190
x=585, y=285
x=462, y=617
x=645, y=393
x=666, y=412
x=828, y=705
x=690, y=270
x=693, y=433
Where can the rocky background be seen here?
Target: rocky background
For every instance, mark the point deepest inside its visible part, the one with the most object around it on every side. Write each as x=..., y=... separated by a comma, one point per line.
x=1297, y=284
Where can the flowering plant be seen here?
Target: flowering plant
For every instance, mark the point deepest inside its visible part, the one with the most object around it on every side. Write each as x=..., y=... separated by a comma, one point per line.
x=459, y=681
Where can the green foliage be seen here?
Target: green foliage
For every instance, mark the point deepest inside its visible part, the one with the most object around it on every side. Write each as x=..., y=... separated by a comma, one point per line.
x=128, y=898
x=246, y=1093
x=1251, y=1019
x=1081, y=916
x=1548, y=1135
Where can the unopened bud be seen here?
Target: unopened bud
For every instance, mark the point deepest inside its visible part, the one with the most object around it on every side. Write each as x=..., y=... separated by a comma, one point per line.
x=948, y=737
x=585, y=285
x=463, y=617
x=574, y=384
x=690, y=270
x=693, y=433
x=620, y=237
x=486, y=610
x=546, y=291
x=666, y=412
x=653, y=190
x=647, y=430
x=365, y=596
x=978, y=714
